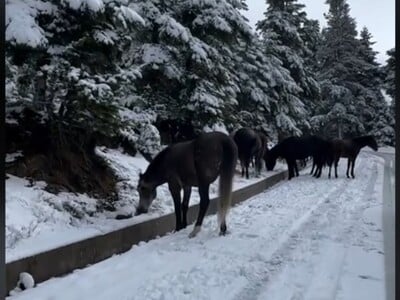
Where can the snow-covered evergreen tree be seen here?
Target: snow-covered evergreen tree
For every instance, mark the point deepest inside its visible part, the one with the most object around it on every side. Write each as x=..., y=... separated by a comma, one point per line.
x=389, y=75
x=339, y=65
x=188, y=58
x=67, y=57
x=375, y=112
x=290, y=36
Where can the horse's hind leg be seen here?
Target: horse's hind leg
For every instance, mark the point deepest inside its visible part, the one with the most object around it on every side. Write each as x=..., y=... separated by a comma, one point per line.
x=247, y=163
x=175, y=190
x=242, y=166
x=204, y=202
x=185, y=204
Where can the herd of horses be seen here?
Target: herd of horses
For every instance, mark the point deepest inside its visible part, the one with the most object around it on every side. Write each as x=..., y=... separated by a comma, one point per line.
x=199, y=162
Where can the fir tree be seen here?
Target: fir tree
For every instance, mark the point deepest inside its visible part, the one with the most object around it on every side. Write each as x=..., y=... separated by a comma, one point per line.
x=389, y=70
x=337, y=113
x=73, y=70
x=288, y=34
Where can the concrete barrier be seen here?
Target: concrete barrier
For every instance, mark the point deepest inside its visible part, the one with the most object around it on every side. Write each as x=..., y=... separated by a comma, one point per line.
x=63, y=260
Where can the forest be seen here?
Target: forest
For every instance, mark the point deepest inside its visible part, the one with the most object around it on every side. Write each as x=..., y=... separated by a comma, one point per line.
x=142, y=74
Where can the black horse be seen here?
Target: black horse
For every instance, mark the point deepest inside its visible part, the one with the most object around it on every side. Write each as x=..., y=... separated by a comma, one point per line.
x=350, y=148
x=294, y=148
x=194, y=163
x=249, y=144
x=323, y=157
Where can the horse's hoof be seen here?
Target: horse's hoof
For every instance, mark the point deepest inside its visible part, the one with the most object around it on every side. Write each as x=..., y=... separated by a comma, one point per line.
x=222, y=229
x=195, y=231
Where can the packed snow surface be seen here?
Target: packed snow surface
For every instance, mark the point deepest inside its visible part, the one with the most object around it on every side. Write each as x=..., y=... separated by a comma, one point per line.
x=305, y=238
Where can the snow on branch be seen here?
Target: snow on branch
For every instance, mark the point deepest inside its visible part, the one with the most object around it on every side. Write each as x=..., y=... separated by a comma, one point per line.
x=21, y=25
x=171, y=28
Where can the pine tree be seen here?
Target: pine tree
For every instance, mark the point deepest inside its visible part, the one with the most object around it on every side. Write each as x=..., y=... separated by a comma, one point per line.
x=389, y=71
x=73, y=71
x=375, y=114
x=188, y=59
x=337, y=114
x=288, y=34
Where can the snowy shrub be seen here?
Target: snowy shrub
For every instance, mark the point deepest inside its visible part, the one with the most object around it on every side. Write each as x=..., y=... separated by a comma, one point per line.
x=149, y=140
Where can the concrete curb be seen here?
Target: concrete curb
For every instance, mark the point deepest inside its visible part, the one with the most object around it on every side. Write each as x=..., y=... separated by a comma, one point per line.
x=63, y=260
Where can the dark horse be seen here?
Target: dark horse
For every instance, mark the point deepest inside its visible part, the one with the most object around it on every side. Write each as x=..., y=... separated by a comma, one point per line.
x=294, y=148
x=324, y=156
x=249, y=144
x=194, y=163
x=350, y=148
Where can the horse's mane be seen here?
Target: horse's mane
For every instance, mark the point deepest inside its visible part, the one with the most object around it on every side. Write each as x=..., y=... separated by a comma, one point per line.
x=158, y=159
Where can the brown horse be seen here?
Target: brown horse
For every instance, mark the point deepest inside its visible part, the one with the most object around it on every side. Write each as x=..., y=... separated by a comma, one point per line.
x=249, y=145
x=194, y=163
x=350, y=148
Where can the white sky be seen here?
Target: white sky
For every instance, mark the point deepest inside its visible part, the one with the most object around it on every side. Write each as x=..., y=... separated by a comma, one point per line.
x=377, y=15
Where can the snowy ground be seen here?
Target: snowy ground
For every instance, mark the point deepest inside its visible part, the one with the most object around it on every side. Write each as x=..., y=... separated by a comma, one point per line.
x=37, y=221
x=303, y=239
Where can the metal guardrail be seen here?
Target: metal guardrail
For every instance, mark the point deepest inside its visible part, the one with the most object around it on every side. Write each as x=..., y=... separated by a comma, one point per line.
x=65, y=259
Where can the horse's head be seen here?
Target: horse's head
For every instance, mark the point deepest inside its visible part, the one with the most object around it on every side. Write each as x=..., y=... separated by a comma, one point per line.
x=270, y=161
x=147, y=193
x=373, y=144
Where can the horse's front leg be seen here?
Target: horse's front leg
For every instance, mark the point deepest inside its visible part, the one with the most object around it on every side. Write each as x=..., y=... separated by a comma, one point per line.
x=185, y=204
x=336, y=165
x=258, y=165
x=319, y=170
x=175, y=190
x=290, y=168
x=312, y=168
x=352, y=167
x=296, y=170
x=204, y=202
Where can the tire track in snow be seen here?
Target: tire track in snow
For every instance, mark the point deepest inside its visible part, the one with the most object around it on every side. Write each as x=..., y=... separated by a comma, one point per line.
x=271, y=234
x=184, y=279
x=305, y=236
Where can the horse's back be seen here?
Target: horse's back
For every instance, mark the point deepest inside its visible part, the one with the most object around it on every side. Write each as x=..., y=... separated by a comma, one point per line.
x=210, y=151
x=296, y=147
x=341, y=147
x=247, y=141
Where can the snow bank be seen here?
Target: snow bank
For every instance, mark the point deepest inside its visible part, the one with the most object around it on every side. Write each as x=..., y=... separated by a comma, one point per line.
x=37, y=221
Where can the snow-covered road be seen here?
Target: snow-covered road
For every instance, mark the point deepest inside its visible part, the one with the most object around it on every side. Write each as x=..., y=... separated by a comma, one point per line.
x=303, y=239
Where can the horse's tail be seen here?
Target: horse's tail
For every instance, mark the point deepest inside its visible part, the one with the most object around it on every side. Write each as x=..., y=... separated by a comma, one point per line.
x=258, y=152
x=228, y=164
